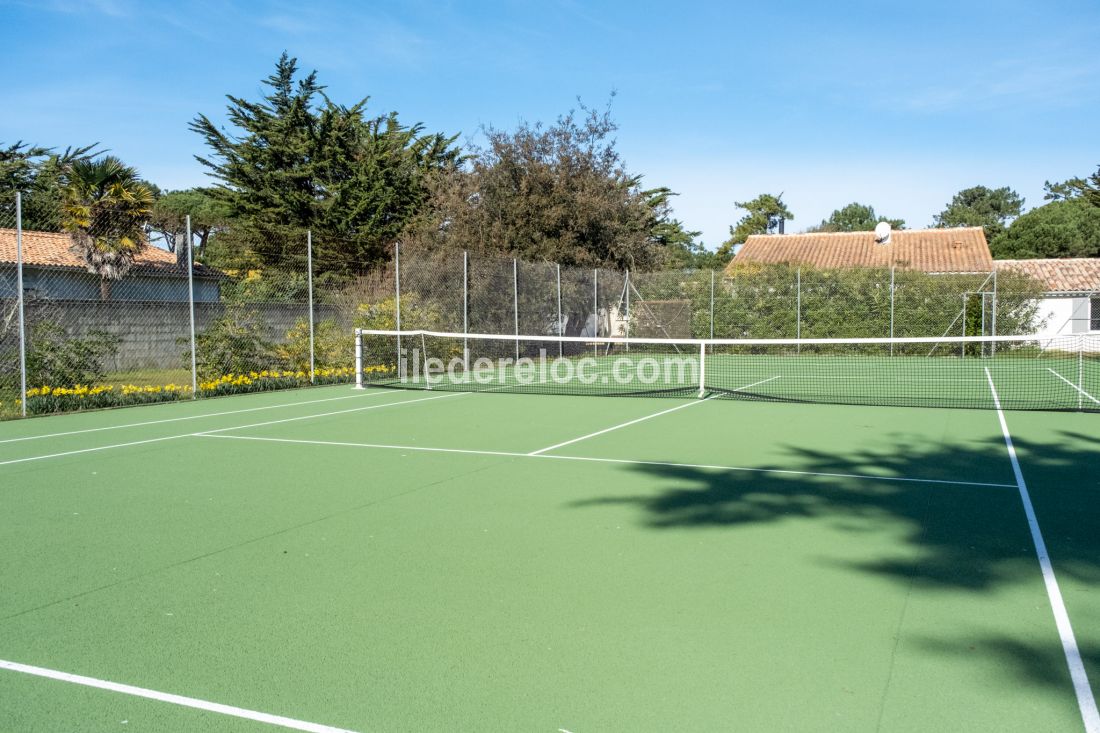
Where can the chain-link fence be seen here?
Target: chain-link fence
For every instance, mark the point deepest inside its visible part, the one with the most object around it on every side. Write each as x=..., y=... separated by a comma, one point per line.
x=97, y=329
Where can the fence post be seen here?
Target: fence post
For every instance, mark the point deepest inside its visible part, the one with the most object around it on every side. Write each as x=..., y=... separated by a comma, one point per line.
x=627, y=289
x=465, y=310
x=309, y=283
x=798, y=308
x=358, y=359
x=515, y=300
x=712, y=303
x=963, y=345
x=1080, y=373
x=397, y=290
x=595, y=309
x=191, y=307
x=561, y=326
x=891, y=309
x=19, y=291
x=993, y=315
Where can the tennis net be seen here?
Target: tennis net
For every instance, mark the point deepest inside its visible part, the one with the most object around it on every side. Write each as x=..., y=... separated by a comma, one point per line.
x=1027, y=373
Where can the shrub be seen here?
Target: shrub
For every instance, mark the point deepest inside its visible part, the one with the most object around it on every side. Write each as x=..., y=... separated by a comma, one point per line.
x=55, y=357
x=234, y=343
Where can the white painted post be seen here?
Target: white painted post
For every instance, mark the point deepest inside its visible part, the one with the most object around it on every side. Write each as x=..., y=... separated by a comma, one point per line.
x=798, y=309
x=1080, y=373
x=191, y=302
x=358, y=359
x=627, y=290
x=891, y=309
x=309, y=282
x=19, y=296
x=993, y=327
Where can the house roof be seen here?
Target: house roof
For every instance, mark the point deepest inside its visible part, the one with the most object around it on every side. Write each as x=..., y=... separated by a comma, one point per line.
x=1071, y=275
x=56, y=249
x=962, y=249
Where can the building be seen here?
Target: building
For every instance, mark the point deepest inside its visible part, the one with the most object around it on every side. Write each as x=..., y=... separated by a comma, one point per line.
x=53, y=269
x=962, y=249
x=1071, y=301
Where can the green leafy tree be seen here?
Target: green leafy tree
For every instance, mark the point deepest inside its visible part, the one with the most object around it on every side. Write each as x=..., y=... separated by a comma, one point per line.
x=764, y=213
x=105, y=207
x=1062, y=228
x=559, y=192
x=855, y=217
x=209, y=215
x=297, y=161
x=979, y=206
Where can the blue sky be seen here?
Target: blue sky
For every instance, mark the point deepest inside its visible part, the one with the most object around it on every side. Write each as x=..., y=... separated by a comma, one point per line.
x=894, y=104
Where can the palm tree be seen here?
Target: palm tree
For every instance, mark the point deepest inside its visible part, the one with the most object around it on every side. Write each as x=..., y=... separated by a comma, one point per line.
x=105, y=207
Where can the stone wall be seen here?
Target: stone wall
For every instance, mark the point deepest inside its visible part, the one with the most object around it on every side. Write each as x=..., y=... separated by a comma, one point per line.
x=154, y=335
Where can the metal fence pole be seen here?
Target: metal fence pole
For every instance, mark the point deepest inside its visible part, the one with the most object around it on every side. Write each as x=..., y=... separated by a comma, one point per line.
x=465, y=310
x=191, y=308
x=891, y=309
x=712, y=303
x=798, y=308
x=963, y=345
x=595, y=309
x=627, y=289
x=561, y=326
x=993, y=316
x=397, y=296
x=515, y=300
x=19, y=296
x=309, y=282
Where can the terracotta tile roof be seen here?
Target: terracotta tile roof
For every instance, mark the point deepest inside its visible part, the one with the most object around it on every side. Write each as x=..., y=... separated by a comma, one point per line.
x=1072, y=275
x=55, y=249
x=963, y=249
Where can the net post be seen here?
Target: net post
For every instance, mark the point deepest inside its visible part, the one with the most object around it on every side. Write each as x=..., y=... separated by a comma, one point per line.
x=702, y=370
x=358, y=359
x=712, y=303
x=465, y=310
x=309, y=284
x=397, y=294
x=191, y=308
x=561, y=326
x=515, y=301
x=962, y=346
x=19, y=292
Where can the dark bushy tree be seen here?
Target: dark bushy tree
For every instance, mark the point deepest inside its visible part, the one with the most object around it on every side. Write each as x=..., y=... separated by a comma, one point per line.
x=560, y=192
x=855, y=217
x=979, y=206
x=1064, y=228
x=298, y=161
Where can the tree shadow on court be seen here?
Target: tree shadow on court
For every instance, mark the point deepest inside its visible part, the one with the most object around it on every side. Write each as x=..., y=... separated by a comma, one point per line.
x=938, y=536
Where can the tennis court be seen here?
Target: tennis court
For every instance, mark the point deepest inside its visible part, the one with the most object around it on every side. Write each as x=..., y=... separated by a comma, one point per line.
x=387, y=560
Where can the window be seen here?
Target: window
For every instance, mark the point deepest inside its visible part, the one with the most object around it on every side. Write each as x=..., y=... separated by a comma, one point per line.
x=1094, y=313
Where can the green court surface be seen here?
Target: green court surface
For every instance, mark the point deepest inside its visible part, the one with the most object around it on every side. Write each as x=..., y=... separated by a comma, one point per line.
x=401, y=560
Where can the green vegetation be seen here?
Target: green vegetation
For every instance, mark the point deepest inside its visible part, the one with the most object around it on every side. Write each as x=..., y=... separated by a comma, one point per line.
x=1061, y=228
x=855, y=217
x=980, y=206
x=764, y=213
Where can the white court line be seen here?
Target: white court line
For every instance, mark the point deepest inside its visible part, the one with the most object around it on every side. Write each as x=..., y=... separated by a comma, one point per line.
x=188, y=417
x=640, y=419
x=1085, y=701
x=625, y=461
x=190, y=702
x=1086, y=394
x=222, y=430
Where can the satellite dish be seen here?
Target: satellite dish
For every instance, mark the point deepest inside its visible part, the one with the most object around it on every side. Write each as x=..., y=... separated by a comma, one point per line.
x=882, y=232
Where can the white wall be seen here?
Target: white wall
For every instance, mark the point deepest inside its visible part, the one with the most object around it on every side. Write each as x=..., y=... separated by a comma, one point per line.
x=1064, y=316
